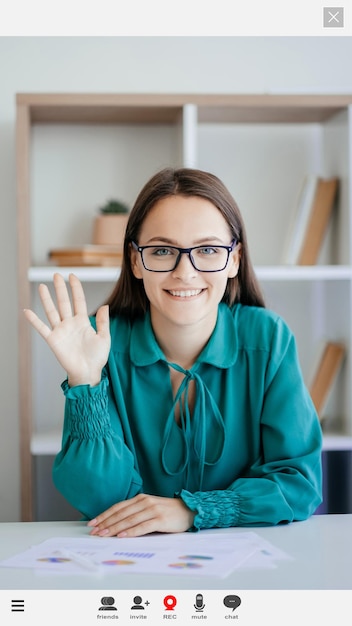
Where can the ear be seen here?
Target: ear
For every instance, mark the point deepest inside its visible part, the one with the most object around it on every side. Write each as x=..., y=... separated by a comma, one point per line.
x=234, y=261
x=136, y=262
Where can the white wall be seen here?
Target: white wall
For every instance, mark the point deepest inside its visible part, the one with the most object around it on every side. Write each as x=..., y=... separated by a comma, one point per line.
x=130, y=64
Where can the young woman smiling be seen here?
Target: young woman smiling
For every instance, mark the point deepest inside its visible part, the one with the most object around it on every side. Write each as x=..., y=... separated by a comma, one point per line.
x=185, y=404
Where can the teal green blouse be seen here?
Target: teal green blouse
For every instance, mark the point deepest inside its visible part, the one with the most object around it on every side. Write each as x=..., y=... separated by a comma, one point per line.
x=250, y=453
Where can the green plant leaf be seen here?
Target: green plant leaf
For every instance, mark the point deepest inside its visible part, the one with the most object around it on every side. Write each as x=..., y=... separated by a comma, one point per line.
x=114, y=206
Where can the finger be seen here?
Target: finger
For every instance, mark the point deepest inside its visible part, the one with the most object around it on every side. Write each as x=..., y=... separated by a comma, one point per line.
x=138, y=523
x=62, y=297
x=114, y=511
x=102, y=321
x=144, y=528
x=48, y=305
x=117, y=512
x=78, y=297
x=37, y=323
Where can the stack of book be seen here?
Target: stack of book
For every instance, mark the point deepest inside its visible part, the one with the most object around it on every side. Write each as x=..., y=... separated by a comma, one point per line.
x=88, y=255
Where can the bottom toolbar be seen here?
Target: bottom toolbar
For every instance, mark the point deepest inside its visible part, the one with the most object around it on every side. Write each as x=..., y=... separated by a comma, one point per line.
x=156, y=607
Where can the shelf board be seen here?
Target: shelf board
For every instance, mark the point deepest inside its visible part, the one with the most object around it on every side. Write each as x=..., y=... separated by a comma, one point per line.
x=304, y=272
x=336, y=442
x=49, y=442
x=264, y=273
x=85, y=274
x=46, y=443
x=150, y=108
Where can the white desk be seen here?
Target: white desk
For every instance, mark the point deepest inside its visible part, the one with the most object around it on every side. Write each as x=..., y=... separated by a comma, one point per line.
x=321, y=547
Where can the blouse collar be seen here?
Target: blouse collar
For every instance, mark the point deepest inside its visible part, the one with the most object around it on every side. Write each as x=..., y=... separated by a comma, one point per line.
x=220, y=350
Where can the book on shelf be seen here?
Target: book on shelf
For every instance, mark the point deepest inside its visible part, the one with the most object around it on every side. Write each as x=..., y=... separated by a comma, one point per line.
x=310, y=220
x=327, y=366
x=87, y=255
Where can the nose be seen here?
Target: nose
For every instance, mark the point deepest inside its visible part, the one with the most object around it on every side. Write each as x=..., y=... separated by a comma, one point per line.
x=184, y=268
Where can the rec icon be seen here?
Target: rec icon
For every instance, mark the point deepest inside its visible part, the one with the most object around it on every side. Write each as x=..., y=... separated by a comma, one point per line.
x=169, y=604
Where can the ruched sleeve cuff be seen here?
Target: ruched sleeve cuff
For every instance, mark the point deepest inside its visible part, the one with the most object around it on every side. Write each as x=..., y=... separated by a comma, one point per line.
x=213, y=508
x=87, y=410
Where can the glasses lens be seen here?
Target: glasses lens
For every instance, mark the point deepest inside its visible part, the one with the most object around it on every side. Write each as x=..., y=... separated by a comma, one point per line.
x=210, y=258
x=205, y=258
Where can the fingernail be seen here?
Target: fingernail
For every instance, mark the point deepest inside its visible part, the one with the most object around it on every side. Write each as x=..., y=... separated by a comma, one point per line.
x=104, y=532
x=92, y=522
x=123, y=534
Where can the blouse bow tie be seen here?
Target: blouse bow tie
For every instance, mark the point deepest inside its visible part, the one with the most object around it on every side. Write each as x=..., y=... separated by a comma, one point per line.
x=202, y=435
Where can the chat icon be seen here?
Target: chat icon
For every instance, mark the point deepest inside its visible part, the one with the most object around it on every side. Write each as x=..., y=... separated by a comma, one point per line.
x=232, y=602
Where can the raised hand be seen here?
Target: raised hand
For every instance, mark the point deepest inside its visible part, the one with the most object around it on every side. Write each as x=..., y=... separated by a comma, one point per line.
x=80, y=349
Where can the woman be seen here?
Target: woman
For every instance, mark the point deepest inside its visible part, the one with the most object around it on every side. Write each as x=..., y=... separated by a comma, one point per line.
x=186, y=409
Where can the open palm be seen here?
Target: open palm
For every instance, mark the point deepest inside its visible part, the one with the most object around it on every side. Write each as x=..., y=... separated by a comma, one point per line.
x=80, y=349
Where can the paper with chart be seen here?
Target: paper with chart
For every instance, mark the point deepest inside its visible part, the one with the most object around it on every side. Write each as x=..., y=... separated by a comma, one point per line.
x=199, y=554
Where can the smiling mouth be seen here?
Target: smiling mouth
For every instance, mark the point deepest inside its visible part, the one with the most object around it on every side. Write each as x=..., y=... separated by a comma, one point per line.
x=186, y=293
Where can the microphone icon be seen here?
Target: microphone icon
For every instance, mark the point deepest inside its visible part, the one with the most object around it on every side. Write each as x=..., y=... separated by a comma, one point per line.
x=199, y=605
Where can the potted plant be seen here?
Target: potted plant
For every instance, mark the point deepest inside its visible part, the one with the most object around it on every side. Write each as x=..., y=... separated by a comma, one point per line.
x=110, y=225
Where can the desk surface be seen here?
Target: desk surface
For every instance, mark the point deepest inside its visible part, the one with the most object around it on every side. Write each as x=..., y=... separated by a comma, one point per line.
x=321, y=547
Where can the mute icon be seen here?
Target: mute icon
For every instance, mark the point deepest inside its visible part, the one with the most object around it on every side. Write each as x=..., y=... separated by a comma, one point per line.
x=199, y=605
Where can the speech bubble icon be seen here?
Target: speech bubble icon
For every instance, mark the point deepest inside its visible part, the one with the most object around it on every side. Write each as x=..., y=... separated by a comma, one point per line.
x=232, y=602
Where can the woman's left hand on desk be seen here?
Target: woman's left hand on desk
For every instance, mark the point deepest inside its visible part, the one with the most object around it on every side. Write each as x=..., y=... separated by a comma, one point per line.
x=142, y=515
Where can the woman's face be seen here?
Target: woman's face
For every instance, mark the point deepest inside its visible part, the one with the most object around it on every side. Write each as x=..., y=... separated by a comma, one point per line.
x=184, y=296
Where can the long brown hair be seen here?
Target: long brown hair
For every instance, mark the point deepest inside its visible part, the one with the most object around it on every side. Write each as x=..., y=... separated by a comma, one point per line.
x=128, y=297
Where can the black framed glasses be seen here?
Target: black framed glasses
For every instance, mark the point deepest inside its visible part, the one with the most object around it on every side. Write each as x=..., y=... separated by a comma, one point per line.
x=163, y=258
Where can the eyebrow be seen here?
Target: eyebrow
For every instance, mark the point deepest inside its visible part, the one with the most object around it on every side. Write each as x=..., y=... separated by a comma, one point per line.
x=172, y=242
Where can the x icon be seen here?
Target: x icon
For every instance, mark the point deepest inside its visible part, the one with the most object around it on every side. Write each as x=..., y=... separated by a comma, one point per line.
x=333, y=17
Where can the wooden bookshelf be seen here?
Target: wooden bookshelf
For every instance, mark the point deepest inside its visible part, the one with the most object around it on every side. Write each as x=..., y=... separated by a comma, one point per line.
x=200, y=130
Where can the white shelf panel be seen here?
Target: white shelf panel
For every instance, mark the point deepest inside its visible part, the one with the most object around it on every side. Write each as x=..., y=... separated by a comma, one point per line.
x=277, y=272
x=85, y=274
x=313, y=272
x=337, y=442
x=46, y=443
x=49, y=443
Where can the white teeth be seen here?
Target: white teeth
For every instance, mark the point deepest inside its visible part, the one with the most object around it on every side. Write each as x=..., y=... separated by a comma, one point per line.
x=185, y=294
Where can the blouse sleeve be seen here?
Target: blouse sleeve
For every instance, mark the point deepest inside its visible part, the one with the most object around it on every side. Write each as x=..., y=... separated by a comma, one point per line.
x=94, y=468
x=285, y=482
